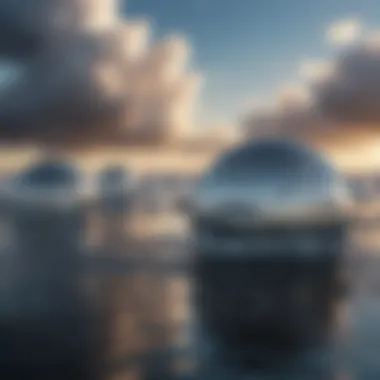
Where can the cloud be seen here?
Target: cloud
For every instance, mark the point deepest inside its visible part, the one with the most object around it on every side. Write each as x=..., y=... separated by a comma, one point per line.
x=27, y=26
x=165, y=91
x=83, y=70
x=344, y=32
x=73, y=86
x=342, y=93
x=314, y=70
x=352, y=92
x=293, y=115
x=136, y=36
x=291, y=96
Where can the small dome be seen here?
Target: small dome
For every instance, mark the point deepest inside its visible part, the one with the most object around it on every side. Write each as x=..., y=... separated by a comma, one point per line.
x=45, y=184
x=49, y=174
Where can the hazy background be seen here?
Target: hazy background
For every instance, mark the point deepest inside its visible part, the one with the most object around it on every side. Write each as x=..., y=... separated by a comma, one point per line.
x=165, y=86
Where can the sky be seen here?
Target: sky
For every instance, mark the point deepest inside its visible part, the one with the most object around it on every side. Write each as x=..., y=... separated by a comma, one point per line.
x=248, y=49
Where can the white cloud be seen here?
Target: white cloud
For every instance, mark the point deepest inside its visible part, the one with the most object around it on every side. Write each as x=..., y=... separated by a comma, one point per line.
x=312, y=70
x=136, y=39
x=343, y=32
x=99, y=69
x=293, y=95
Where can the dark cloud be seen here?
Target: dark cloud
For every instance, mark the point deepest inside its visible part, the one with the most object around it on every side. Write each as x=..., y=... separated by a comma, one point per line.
x=303, y=118
x=352, y=92
x=25, y=25
x=68, y=72
x=68, y=89
x=349, y=93
x=83, y=69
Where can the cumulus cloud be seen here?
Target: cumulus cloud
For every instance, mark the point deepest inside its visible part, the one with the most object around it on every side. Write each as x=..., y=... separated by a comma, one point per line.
x=136, y=39
x=79, y=69
x=164, y=92
x=293, y=115
x=27, y=26
x=340, y=93
x=291, y=96
x=315, y=70
x=75, y=87
x=352, y=92
x=343, y=32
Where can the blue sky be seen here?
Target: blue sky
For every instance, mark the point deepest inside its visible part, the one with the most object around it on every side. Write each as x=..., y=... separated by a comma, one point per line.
x=247, y=49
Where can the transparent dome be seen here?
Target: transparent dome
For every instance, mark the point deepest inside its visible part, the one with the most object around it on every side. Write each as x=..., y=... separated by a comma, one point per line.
x=272, y=181
x=47, y=183
x=49, y=174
